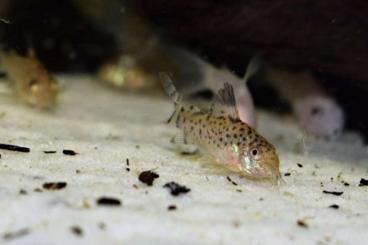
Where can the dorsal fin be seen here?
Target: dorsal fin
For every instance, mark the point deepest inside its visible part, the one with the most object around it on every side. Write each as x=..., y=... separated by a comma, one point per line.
x=224, y=103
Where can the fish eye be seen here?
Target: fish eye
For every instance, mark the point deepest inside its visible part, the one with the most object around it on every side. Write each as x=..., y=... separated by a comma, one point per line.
x=254, y=152
x=316, y=111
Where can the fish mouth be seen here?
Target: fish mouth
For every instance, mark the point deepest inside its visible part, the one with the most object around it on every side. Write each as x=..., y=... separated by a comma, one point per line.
x=269, y=174
x=273, y=173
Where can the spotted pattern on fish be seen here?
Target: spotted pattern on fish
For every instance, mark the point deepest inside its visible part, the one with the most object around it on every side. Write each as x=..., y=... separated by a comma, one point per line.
x=220, y=132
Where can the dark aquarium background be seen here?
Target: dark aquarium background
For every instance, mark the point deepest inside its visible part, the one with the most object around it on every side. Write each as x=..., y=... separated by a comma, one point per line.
x=327, y=38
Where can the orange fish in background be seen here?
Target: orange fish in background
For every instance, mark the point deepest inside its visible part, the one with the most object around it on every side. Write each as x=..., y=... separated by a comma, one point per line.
x=33, y=84
x=221, y=134
x=125, y=73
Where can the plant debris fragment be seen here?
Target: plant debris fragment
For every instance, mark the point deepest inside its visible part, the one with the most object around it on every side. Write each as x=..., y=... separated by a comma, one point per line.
x=299, y=165
x=16, y=234
x=49, y=152
x=148, y=177
x=363, y=182
x=108, y=201
x=14, y=148
x=171, y=207
x=345, y=183
x=127, y=163
x=188, y=153
x=69, y=152
x=76, y=230
x=54, y=185
x=176, y=189
x=336, y=193
x=334, y=206
x=231, y=181
x=302, y=223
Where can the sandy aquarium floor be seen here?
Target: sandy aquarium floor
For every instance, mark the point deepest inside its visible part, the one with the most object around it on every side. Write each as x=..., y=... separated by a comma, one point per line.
x=98, y=198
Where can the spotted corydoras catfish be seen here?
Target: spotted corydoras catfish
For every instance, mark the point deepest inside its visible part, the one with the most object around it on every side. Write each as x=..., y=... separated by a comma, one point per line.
x=221, y=134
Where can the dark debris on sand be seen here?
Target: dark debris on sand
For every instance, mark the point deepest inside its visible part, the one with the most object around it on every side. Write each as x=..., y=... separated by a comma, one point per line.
x=69, y=152
x=14, y=148
x=16, y=234
x=336, y=193
x=54, y=185
x=363, y=182
x=108, y=201
x=302, y=223
x=334, y=206
x=148, y=177
x=76, y=230
x=176, y=189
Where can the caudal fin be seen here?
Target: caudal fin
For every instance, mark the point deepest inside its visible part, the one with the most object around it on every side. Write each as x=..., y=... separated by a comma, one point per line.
x=168, y=85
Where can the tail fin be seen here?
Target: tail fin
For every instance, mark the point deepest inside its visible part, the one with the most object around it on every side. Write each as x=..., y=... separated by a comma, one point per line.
x=253, y=67
x=169, y=87
x=171, y=91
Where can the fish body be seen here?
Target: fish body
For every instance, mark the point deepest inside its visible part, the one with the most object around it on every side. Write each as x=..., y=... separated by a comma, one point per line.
x=220, y=133
x=32, y=82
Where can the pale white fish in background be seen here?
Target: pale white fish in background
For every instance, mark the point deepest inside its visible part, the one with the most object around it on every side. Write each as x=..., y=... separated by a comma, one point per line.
x=316, y=111
x=195, y=74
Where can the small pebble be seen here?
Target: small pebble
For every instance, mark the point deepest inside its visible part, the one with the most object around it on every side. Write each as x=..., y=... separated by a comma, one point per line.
x=302, y=224
x=148, y=177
